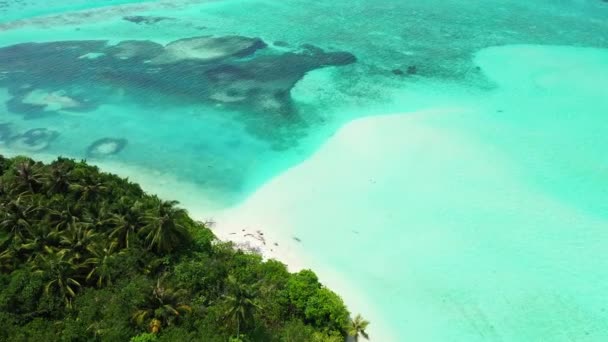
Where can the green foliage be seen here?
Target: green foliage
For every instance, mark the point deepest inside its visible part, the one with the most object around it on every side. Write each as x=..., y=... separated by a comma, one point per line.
x=326, y=309
x=300, y=288
x=144, y=337
x=20, y=292
x=88, y=256
x=297, y=331
x=331, y=336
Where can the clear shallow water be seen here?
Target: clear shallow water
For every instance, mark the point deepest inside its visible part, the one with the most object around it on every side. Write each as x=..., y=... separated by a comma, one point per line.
x=438, y=39
x=542, y=112
x=469, y=225
x=466, y=223
x=23, y=9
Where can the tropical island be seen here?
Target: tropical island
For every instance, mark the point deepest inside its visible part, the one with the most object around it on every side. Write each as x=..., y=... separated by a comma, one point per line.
x=89, y=256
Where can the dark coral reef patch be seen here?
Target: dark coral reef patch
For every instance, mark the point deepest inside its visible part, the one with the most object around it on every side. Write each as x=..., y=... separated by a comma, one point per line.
x=34, y=140
x=143, y=19
x=39, y=102
x=5, y=132
x=233, y=71
x=106, y=147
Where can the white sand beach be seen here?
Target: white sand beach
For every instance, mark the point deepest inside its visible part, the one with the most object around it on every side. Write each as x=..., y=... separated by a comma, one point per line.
x=314, y=192
x=449, y=212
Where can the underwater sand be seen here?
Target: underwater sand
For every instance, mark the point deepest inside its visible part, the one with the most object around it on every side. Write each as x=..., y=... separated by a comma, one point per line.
x=445, y=232
x=464, y=201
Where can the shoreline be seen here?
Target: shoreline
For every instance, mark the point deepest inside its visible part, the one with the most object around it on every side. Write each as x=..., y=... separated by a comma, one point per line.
x=271, y=237
x=276, y=211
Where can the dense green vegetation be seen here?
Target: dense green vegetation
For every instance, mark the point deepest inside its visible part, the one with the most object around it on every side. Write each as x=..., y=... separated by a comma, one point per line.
x=88, y=256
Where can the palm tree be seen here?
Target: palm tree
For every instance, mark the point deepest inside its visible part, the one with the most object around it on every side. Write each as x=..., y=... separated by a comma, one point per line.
x=62, y=220
x=101, y=263
x=96, y=328
x=125, y=224
x=357, y=327
x=78, y=238
x=16, y=218
x=241, y=303
x=58, y=179
x=163, y=230
x=61, y=273
x=98, y=216
x=40, y=237
x=164, y=306
x=88, y=191
x=29, y=175
x=8, y=260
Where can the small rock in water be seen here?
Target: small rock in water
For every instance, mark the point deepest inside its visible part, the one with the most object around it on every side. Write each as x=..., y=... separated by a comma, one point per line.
x=412, y=70
x=147, y=20
x=398, y=72
x=280, y=43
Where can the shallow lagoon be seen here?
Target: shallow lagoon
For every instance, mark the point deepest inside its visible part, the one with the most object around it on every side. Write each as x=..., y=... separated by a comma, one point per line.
x=498, y=206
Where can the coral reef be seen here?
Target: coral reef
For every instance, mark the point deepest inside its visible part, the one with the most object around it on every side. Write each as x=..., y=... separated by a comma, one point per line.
x=34, y=140
x=223, y=70
x=106, y=147
x=5, y=132
x=208, y=48
x=142, y=19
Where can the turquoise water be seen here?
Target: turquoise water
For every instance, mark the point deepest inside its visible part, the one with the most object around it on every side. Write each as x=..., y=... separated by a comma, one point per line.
x=229, y=114
x=15, y=10
x=483, y=220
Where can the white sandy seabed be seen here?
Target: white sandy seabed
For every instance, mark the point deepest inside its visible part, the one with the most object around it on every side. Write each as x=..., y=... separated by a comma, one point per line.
x=434, y=233
x=433, y=223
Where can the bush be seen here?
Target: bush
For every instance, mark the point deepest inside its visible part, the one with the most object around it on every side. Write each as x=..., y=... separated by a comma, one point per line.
x=144, y=337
